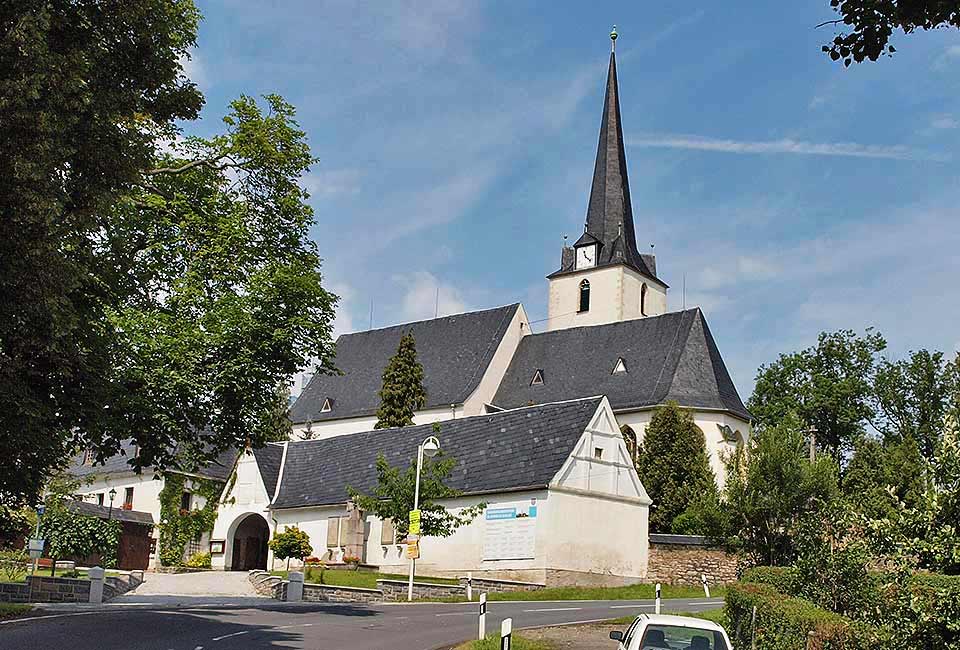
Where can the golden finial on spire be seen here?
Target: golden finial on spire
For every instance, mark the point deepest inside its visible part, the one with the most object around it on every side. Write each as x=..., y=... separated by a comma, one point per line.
x=613, y=38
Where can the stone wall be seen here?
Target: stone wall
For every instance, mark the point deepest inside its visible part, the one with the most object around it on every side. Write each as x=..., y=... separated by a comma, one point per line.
x=266, y=584
x=114, y=586
x=563, y=578
x=493, y=585
x=44, y=589
x=396, y=590
x=681, y=559
x=332, y=594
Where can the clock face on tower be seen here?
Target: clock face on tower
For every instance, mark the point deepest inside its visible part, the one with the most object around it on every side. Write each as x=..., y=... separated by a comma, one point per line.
x=586, y=256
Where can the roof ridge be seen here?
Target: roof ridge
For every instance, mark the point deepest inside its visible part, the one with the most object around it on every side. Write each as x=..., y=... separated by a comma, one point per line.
x=428, y=320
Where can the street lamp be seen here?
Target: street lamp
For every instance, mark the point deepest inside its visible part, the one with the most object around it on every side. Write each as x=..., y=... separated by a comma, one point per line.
x=113, y=495
x=429, y=447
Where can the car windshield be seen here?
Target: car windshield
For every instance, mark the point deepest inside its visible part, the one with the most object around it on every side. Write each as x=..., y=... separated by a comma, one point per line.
x=676, y=637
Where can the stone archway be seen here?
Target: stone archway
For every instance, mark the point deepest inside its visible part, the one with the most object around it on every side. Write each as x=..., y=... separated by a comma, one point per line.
x=249, y=543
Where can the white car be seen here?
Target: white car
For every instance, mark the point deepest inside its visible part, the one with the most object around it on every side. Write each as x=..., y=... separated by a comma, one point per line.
x=663, y=632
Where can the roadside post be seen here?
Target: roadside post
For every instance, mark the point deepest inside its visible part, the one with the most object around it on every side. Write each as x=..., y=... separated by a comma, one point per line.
x=483, y=616
x=706, y=587
x=656, y=608
x=506, y=628
x=96, y=585
x=35, y=545
x=469, y=586
x=294, y=587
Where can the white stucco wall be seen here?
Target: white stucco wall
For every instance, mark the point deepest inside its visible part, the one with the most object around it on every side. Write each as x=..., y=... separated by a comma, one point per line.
x=717, y=447
x=614, y=296
x=247, y=495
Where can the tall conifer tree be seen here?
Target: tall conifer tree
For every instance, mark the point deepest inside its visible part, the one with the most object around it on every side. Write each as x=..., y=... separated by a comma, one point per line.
x=673, y=465
x=402, y=393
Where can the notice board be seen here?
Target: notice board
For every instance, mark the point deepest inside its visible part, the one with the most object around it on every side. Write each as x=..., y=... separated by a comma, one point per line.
x=511, y=533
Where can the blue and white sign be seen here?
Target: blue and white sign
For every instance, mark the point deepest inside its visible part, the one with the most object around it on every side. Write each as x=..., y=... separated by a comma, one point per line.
x=511, y=532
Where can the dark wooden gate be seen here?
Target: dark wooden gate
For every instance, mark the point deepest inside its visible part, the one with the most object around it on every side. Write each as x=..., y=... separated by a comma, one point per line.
x=134, y=550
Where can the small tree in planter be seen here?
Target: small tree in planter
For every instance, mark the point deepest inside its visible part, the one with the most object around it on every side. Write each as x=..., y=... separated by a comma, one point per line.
x=291, y=543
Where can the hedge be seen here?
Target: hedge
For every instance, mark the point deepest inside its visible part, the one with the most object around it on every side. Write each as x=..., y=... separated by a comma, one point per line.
x=785, y=623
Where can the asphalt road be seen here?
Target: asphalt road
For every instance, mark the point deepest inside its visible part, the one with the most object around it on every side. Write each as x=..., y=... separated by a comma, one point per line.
x=220, y=626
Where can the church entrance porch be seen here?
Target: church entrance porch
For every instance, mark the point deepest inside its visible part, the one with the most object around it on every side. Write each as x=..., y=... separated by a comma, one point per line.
x=249, y=544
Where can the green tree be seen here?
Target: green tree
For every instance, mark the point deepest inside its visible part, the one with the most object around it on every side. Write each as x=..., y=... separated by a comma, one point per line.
x=674, y=467
x=291, y=543
x=882, y=475
x=279, y=426
x=771, y=489
x=829, y=386
x=392, y=498
x=86, y=89
x=402, y=393
x=914, y=397
x=869, y=24
x=72, y=535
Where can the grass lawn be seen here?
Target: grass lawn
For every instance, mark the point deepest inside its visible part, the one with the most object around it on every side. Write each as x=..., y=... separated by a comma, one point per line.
x=630, y=592
x=517, y=642
x=13, y=610
x=715, y=615
x=362, y=579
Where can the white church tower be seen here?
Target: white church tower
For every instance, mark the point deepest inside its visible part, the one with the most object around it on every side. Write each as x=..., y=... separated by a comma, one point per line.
x=603, y=278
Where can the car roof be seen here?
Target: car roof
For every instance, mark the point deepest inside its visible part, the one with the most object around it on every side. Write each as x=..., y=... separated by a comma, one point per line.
x=680, y=621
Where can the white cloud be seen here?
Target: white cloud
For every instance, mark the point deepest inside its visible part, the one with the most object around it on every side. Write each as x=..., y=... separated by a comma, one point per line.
x=333, y=182
x=194, y=70
x=782, y=146
x=942, y=122
x=952, y=52
x=426, y=296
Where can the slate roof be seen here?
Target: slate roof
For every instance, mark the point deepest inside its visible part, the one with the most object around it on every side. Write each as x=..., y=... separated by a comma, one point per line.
x=219, y=469
x=454, y=350
x=103, y=512
x=668, y=357
x=268, y=461
x=508, y=450
x=609, y=212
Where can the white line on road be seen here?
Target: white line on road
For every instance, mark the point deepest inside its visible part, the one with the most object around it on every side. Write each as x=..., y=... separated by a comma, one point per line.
x=634, y=606
x=457, y=614
x=708, y=602
x=555, y=609
x=227, y=636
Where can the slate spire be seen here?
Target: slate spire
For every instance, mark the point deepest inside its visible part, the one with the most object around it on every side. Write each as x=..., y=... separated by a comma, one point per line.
x=609, y=213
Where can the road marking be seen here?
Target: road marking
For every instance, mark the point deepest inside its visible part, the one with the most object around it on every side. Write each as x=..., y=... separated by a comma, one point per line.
x=457, y=614
x=199, y=647
x=555, y=609
x=227, y=636
x=708, y=602
x=634, y=606
x=37, y=618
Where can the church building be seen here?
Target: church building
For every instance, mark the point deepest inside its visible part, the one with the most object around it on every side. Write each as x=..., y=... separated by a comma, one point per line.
x=543, y=425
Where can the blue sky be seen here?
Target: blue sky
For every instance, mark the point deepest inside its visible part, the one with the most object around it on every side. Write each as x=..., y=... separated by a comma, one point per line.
x=456, y=143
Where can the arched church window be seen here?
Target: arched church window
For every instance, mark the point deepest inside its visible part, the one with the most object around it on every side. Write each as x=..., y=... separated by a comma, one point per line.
x=643, y=299
x=630, y=439
x=584, y=296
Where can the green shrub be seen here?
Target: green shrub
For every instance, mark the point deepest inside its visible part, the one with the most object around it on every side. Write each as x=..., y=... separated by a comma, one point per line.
x=785, y=623
x=199, y=561
x=13, y=566
x=781, y=578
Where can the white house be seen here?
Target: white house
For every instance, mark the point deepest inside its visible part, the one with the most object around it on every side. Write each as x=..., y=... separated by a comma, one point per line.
x=563, y=501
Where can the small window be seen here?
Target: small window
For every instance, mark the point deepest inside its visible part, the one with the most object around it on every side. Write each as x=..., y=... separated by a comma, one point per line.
x=128, y=499
x=584, y=296
x=643, y=299
x=598, y=453
x=620, y=366
x=88, y=456
x=185, y=500
x=327, y=406
x=333, y=532
x=537, y=378
x=100, y=499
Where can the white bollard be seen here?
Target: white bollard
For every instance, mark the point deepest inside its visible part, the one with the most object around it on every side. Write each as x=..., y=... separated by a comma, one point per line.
x=706, y=587
x=506, y=628
x=656, y=609
x=483, y=616
x=295, y=587
x=469, y=586
x=96, y=584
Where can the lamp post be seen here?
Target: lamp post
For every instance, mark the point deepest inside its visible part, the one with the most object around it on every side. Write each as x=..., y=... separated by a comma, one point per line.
x=429, y=447
x=113, y=495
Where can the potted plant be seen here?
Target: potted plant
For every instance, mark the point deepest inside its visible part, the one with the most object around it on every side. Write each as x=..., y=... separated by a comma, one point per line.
x=352, y=561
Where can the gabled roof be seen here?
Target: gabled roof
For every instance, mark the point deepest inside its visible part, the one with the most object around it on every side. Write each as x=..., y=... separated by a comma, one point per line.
x=454, y=350
x=119, y=463
x=668, y=357
x=504, y=451
x=268, y=461
x=106, y=512
x=609, y=212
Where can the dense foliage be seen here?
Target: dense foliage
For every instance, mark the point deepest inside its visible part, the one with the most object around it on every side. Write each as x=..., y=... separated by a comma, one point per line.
x=178, y=527
x=72, y=535
x=154, y=286
x=674, y=467
x=869, y=24
x=402, y=393
x=291, y=543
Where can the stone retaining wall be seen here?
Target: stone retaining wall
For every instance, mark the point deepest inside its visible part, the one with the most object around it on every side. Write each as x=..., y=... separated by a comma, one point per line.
x=114, y=586
x=396, y=590
x=681, y=559
x=266, y=584
x=44, y=589
x=334, y=594
x=492, y=585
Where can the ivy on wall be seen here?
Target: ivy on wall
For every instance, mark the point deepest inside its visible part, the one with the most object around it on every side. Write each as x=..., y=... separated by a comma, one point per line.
x=178, y=527
x=72, y=535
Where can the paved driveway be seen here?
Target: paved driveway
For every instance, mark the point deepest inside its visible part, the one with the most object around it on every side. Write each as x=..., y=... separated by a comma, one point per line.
x=166, y=588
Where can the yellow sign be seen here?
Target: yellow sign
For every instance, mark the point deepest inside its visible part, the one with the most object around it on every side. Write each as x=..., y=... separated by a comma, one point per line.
x=414, y=522
x=413, y=551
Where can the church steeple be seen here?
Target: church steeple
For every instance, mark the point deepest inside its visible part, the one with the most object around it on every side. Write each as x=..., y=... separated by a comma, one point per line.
x=609, y=212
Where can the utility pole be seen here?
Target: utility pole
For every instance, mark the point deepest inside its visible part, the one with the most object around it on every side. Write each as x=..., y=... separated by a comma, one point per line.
x=812, y=432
